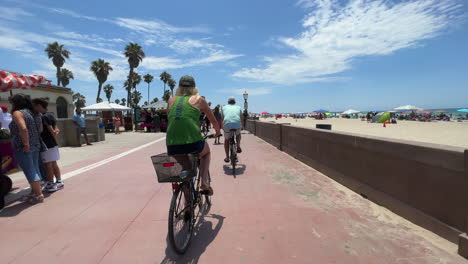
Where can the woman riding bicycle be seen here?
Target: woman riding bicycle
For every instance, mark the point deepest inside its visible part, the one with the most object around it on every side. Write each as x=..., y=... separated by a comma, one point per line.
x=183, y=133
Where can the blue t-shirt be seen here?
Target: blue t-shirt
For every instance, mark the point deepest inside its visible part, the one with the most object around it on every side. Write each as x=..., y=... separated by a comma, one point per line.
x=231, y=114
x=80, y=120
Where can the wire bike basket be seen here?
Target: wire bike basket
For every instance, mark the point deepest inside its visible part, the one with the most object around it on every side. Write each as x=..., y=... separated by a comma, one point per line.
x=177, y=168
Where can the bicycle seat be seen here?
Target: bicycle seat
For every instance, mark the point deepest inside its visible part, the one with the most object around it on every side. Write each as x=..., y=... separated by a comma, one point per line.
x=233, y=130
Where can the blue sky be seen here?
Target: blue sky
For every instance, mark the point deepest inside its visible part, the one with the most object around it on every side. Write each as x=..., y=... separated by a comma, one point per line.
x=291, y=56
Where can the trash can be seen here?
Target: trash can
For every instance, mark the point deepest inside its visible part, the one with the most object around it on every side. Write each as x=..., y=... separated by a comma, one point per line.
x=324, y=126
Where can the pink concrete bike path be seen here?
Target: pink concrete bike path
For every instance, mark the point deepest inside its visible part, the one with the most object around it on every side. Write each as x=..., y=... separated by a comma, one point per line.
x=276, y=210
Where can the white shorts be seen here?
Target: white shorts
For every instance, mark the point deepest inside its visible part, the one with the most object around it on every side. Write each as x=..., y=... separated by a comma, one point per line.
x=50, y=155
x=228, y=134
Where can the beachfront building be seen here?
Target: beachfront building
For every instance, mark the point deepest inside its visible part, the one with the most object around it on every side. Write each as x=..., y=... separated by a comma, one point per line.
x=60, y=98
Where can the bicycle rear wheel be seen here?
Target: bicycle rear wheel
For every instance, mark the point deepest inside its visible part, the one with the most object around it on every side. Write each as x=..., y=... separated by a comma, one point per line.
x=233, y=157
x=207, y=197
x=181, y=217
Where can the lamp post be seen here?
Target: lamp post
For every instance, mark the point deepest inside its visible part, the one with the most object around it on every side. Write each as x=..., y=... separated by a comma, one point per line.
x=246, y=95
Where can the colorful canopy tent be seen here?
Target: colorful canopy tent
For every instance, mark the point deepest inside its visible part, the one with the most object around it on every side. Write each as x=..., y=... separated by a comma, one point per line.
x=265, y=113
x=381, y=117
x=351, y=112
x=384, y=117
x=407, y=108
x=105, y=106
x=321, y=111
x=13, y=80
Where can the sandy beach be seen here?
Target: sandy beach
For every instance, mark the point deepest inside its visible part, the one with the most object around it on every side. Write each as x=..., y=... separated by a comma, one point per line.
x=443, y=133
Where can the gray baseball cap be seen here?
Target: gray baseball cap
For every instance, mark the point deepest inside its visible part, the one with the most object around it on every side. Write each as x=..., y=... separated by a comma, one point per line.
x=187, y=81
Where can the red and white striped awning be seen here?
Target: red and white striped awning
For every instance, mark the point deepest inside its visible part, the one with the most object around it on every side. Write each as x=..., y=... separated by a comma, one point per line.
x=13, y=80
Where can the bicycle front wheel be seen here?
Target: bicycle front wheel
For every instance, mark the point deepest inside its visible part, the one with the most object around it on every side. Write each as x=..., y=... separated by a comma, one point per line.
x=181, y=219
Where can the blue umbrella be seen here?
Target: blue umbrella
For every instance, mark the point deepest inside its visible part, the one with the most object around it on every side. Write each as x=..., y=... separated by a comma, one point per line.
x=463, y=110
x=321, y=111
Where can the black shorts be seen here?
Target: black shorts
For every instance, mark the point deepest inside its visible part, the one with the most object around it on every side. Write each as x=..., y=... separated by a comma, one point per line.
x=196, y=147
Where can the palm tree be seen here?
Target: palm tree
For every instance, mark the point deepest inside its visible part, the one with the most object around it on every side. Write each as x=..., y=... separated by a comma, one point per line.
x=155, y=100
x=136, y=97
x=148, y=79
x=79, y=100
x=135, y=55
x=58, y=54
x=117, y=101
x=124, y=101
x=108, y=91
x=171, y=84
x=65, y=76
x=166, y=96
x=165, y=77
x=134, y=80
x=101, y=70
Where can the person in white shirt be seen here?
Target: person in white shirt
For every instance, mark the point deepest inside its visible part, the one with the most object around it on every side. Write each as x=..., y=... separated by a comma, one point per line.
x=5, y=117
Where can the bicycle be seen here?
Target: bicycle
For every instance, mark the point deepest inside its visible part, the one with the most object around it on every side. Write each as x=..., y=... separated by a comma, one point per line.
x=233, y=151
x=204, y=129
x=183, y=172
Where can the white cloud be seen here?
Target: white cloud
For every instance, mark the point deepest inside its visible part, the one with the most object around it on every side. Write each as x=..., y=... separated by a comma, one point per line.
x=13, y=13
x=250, y=91
x=166, y=63
x=188, y=45
x=161, y=63
x=12, y=43
x=156, y=26
x=336, y=34
x=71, y=13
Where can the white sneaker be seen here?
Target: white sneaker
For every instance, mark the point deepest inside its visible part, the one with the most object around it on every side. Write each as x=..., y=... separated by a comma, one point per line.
x=52, y=187
x=59, y=185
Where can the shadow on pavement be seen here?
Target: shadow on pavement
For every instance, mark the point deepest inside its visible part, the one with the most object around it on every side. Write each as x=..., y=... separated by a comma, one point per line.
x=205, y=233
x=15, y=209
x=240, y=169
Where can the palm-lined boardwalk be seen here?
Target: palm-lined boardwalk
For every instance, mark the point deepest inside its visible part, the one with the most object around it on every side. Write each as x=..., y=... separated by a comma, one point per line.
x=276, y=210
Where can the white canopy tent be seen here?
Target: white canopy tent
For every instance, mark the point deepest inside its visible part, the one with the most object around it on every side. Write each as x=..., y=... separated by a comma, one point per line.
x=351, y=112
x=105, y=106
x=407, y=108
x=160, y=105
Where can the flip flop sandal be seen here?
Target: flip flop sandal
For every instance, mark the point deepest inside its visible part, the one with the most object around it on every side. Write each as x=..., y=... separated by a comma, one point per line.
x=36, y=199
x=226, y=160
x=239, y=150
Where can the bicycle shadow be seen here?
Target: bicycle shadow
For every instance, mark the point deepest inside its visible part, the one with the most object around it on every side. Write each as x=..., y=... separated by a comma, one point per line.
x=240, y=169
x=204, y=234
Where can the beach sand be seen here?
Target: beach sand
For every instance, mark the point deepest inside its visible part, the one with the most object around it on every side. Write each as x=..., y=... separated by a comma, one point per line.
x=443, y=133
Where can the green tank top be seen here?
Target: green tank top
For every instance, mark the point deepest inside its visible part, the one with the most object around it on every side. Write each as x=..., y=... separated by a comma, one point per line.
x=184, y=126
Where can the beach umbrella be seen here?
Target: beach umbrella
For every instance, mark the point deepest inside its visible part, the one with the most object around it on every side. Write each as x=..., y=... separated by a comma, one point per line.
x=407, y=108
x=321, y=111
x=105, y=106
x=265, y=113
x=351, y=112
x=463, y=110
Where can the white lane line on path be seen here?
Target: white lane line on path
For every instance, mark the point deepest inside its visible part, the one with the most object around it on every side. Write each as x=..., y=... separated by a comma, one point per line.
x=12, y=197
x=103, y=162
